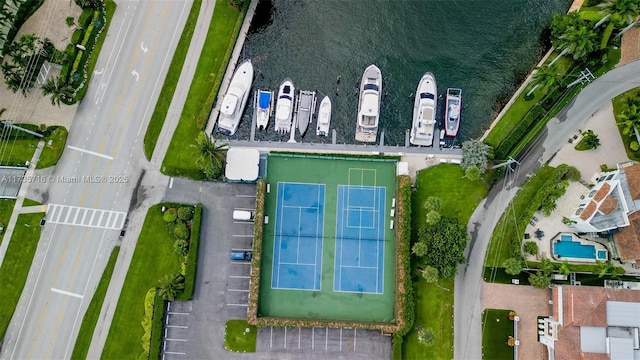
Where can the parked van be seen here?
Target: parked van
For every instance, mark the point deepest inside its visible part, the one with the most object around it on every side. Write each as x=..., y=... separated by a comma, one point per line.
x=241, y=255
x=243, y=215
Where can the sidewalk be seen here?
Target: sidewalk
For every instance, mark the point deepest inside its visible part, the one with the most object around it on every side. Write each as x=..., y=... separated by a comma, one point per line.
x=18, y=206
x=184, y=83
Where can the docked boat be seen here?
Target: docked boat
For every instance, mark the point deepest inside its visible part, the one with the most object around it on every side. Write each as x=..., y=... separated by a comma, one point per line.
x=324, y=117
x=452, y=112
x=262, y=106
x=369, y=105
x=424, y=112
x=306, y=107
x=284, y=106
x=235, y=99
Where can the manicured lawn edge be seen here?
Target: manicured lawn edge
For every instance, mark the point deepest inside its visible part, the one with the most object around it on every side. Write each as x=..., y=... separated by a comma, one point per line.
x=235, y=338
x=51, y=153
x=495, y=334
x=16, y=265
x=90, y=319
x=170, y=82
x=29, y=202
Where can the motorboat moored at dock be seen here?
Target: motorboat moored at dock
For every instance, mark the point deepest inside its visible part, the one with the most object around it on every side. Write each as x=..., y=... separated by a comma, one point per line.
x=262, y=106
x=235, y=99
x=305, y=108
x=452, y=112
x=284, y=106
x=324, y=117
x=369, y=105
x=424, y=112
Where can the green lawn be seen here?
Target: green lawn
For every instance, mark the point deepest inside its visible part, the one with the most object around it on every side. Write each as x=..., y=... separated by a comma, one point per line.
x=496, y=329
x=170, y=82
x=6, y=208
x=29, y=202
x=237, y=338
x=51, y=152
x=16, y=264
x=180, y=157
x=498, y=250
x=15, y=152
x=618, y=107
x=434, y=302
x=93, y=311
x=155, y=247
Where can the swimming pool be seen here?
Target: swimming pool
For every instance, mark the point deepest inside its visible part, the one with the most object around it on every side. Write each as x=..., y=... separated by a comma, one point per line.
x=568, y=248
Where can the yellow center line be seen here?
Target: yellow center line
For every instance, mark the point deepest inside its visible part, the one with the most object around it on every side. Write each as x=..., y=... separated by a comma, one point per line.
x=55, y=332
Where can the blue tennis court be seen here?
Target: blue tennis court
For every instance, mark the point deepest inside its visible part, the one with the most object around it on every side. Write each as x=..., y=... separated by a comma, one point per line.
x=297, y=252
x=359, y=258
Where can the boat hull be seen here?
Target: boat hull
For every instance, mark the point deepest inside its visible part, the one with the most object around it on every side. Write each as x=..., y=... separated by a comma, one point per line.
x=306, y=108
x=324, y=117
x=235, y=100
x=369, y=105
x=284, y=106
x=424, y=112
x=263, y=106
x=452, y=113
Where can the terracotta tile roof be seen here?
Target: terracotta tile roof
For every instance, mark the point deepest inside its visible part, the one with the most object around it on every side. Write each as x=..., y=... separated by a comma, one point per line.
x=568, y=349
x=627, y=241
x=588, y=211
x=633, y=178
x=604, y=190
x=595, y=356
x=608, y=205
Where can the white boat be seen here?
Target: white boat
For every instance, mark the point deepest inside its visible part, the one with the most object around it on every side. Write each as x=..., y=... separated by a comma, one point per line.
x=424, y=112
x=306, y=107
x=452, y=112
x=284, y=106
x=262, y=106
x=369, y=105
x=235, y=99
x=324, y=117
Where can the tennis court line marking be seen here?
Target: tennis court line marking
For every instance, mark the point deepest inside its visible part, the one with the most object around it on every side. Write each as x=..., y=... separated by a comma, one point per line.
x=303, y=264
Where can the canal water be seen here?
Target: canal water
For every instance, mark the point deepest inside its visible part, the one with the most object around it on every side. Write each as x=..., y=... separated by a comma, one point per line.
x=484, y=47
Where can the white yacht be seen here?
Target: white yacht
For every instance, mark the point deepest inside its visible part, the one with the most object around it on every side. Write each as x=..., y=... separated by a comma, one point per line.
x=369, y=105
x=262, y=106
x=324, y=117
x=424, y=112
x=235, y=99
x=284, y=106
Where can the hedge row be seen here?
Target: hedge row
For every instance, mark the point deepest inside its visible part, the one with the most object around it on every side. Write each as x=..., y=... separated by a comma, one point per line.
x=313, y=155
x=561, y=173
x=508, y=143
x=258, y=229
x=157, y=328
x=405, y=306
x=147, y=320
x=192, y=257
x=203, y=117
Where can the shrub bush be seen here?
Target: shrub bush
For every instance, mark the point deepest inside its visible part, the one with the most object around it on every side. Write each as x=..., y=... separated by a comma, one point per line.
x=192, y=258
x=530, y=247
x=181, y=247
x=258, y=227
x=180, y=231
x=149, y=302
x=85, y=18
x=185, y=213
x=76, y=37
x=170, y=215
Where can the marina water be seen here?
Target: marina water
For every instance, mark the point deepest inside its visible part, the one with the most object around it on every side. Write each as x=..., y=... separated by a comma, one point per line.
x=484, y=47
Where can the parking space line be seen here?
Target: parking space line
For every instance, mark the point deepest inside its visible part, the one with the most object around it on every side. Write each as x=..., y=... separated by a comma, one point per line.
x=177, y=313
x=240, y=262
x=247, y=236
x=313, y=335
x=354, y=338
x=340, y=339
x=175, y=340
x=177, y=326
x=243, y=305
x=175, y=353
x=239, y=277
x=235, y=249
x=285, y=337
x=243, y=222
x=246, y=196
x=271, y=339
x=238, y=290
x=298, y=338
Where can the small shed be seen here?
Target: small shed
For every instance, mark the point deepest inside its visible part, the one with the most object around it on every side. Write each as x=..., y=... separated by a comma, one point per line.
x=243, y=165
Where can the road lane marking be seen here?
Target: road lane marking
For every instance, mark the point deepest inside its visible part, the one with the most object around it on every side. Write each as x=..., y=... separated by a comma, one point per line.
x=67, y=293
x=57, y=209
x=90, y=152
x=171, y=183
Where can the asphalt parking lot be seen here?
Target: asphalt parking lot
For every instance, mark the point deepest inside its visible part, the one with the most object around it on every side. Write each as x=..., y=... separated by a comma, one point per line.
x=195, y=329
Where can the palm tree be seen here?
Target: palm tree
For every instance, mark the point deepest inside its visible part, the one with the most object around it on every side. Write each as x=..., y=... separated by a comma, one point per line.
x=57, y=89
x=623, y=12
x=170, y=286
x=579, y=41
x=630, y=120
x=546, y=76
x=211, y=155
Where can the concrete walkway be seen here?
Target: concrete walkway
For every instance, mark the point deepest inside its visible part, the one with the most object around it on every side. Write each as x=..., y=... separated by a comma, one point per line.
x=237, y=49
x=184, y=83
x=18, y=205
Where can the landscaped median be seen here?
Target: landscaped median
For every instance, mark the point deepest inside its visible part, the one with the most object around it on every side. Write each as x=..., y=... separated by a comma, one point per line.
x=167, y=240
x=16, y=264
x=221, y=37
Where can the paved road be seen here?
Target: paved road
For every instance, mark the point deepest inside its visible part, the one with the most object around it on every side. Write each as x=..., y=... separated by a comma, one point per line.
x=90, y=190
x=467, y=329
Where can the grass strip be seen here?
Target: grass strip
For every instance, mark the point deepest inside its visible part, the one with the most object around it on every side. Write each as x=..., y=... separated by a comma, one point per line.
x=154, y=246
x=496, y=329
x=170, y=82
x=239, y=336
x=28, y=202
x=16, y=264
x=90, y=318
x=221, y=37
x=6, y=208
x=53, y=147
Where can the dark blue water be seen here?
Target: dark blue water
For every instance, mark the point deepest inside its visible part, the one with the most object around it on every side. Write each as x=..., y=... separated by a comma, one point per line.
x=484, y=47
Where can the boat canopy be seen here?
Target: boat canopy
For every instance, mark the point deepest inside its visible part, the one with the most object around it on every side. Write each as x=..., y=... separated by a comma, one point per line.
x=427, y=96
x=229, y=104
x=371, y=87
x=454, y=111
x=264, y=99
x=283, y=111
x=370, y=104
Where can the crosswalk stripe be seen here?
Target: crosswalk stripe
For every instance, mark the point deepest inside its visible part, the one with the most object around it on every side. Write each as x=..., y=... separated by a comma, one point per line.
x=95, y=218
